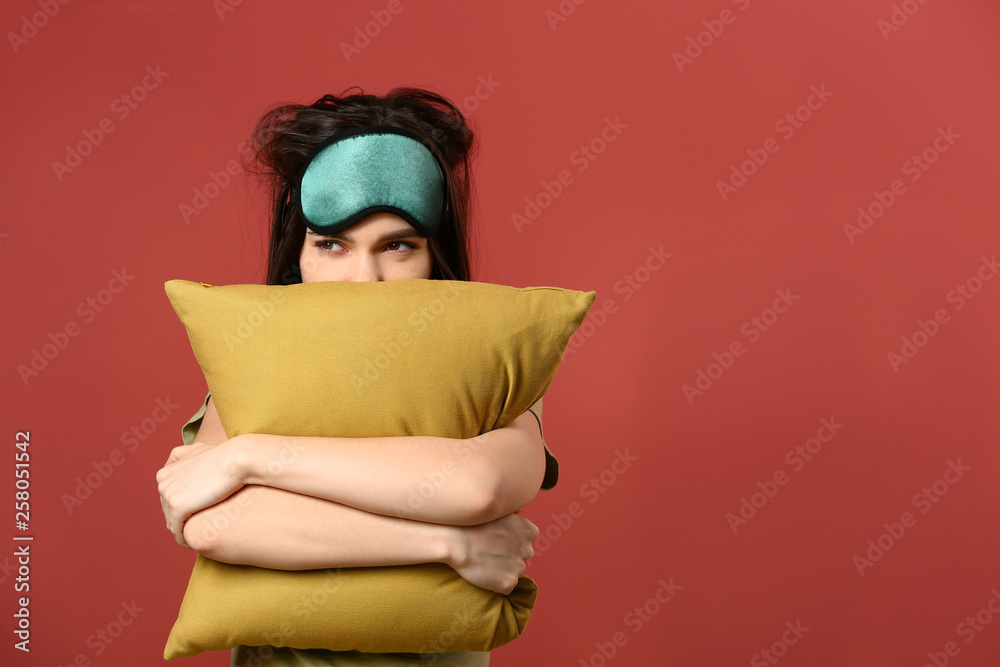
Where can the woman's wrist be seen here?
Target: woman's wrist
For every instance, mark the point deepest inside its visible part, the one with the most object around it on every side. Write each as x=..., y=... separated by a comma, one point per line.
x=455, y=546
x=245, y=453
x=260, y=458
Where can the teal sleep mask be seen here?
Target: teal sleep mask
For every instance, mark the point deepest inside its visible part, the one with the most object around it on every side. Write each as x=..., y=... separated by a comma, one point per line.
x=363, y=170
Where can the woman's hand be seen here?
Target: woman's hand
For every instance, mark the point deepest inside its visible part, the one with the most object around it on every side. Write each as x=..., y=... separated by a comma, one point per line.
x=493, y=555
x=194, y=477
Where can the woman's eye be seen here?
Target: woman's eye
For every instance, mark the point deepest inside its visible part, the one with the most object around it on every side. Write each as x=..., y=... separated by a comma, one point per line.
x=394, y=247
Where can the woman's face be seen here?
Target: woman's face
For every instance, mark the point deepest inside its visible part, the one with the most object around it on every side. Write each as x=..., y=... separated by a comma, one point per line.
x=382, y=246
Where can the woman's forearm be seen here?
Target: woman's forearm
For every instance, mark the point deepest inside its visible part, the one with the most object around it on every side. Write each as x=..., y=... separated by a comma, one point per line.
x=280, y=529
x=443, y=480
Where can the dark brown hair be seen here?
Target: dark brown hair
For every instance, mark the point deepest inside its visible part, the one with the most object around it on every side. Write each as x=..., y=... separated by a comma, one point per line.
x=288, y=134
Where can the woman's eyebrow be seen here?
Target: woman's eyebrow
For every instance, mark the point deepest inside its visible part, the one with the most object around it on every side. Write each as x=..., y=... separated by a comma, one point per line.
x=394, y=235
x=401, y=233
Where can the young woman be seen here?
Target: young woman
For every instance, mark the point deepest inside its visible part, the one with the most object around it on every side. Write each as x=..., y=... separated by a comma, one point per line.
x=332, y=506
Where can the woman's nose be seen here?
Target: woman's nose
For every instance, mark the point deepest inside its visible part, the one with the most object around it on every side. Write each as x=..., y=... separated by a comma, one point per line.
x=367, y=270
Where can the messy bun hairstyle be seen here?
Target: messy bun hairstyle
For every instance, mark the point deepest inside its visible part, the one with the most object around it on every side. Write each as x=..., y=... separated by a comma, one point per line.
x=286, y=137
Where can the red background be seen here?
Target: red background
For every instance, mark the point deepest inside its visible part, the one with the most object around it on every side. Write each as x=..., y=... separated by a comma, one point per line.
x=621, y=390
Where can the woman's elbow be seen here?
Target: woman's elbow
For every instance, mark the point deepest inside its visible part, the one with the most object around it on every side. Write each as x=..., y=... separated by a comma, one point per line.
x=200, y=535
x=213, y=532
x=510, y=478
x=495, y=495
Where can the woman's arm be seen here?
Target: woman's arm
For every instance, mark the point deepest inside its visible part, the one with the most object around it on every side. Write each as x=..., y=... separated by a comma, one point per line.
x=443, y=480
x=271, y=527
x=274, y=528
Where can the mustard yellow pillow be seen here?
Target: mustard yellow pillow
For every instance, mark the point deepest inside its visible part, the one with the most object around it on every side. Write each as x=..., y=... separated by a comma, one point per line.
x=403, y=357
